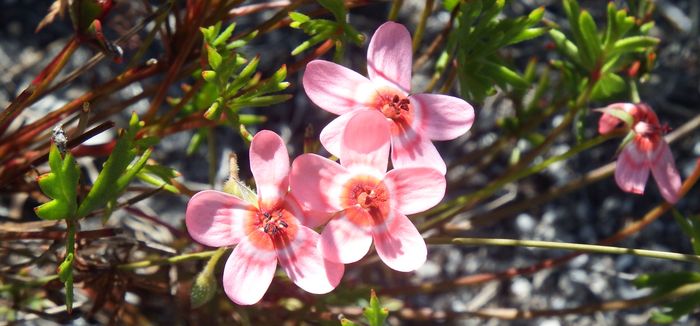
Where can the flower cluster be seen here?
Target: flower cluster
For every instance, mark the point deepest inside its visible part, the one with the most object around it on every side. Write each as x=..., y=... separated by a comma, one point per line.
x=357, y=201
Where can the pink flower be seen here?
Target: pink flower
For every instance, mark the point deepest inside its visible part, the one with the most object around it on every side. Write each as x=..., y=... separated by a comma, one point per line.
x=272, y=230
x=367, y=202
x=414, y=119
x=646, y=150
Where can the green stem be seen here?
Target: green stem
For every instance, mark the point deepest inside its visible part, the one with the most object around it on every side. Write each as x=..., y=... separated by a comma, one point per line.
x=460, y=202
x=395, y=7
x=567, y=246
x=420, y=29
x=21, y=283
x=634, y=93
x=166, y=261
x=211, y=264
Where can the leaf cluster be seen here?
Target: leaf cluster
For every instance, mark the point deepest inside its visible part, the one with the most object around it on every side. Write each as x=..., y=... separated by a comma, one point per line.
x=320, y=30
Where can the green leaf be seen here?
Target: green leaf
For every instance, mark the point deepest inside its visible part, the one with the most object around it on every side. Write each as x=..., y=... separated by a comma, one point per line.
x=112, y=177
x=241, y=190
x=666, y=281
x=620, y=114
x=678, y=309
x=502, y=75
x=609, y=85
x=214, y=110
x=60, y=185
x=224, y=36
x=65, y=274
x=567, y=47
x=159, y=176
x=299, y=17
x=196, y=141
x=347, y=322
x=214, y=57
x=243, y=77
x=375, y=314
x=528, y=34
x=336, y=7
x=258, y=101
x=589, y=31
x=450, y=5
x=635, y=44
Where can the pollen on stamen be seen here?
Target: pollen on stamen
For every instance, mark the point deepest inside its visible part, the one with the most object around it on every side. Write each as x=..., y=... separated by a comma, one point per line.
x=393, y=107
x=273, y=224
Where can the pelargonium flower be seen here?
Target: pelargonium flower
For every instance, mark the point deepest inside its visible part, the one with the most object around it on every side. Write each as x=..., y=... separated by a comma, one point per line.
x=415, y=119
x=366, y=201
x=646, y=150
x=274, y=229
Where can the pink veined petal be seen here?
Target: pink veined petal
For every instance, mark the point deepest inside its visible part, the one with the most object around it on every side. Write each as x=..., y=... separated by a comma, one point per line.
x=631, y=169
x=609, y=122
x=269, y=162
x=414, y=190
x=335, y=88
x=366, y=141
x=308, y=218
x=332, y=134
x=343, y=241
x=399, y=244
x=217, y=219
x=443, y=117
x=665, y=173
x=249, y=271
x=305, y=265
x=410, y=149
x=317, y=183
x=390, y=56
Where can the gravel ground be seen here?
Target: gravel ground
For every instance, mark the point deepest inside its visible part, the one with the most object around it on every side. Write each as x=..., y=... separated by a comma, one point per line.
x=584, y=216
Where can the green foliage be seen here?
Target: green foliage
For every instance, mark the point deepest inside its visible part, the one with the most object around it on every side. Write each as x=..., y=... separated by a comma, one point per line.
x=159, y=176
x=232, y=83
x=320, y=30
x=666, y=282
x=690, y=227
x=119, y=170
x=478, y=36
x=65, y=274
x=375, y=314
x=60, y=185
x=597, y=57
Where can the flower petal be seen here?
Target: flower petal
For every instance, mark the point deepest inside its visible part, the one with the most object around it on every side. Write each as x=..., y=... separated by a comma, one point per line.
x=217, y=219
x=305, y=265
x=332, y=134
x=399, y=244
x=390, y=56
x=414, y=190
x=442, y=117
x=342, y=240
x=317, y=183
x=608, y=122
x=335, y=88
x=249, y=270
x=308, y=218
x=665, y=173
x=366, y=141
x=269, y=162
x=632, y=169
x=410, y=149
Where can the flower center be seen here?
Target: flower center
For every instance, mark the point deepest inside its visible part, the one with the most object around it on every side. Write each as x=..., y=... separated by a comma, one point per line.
x=393, y=106
x=273, y=222
x=371, y=195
